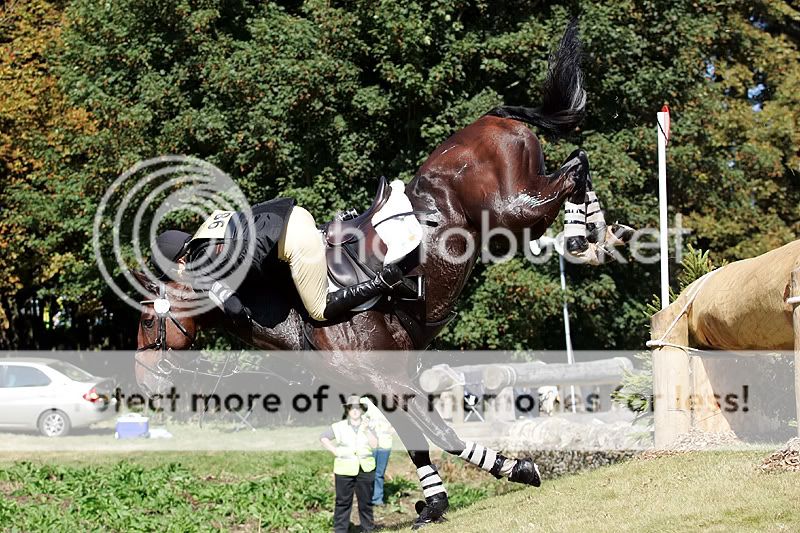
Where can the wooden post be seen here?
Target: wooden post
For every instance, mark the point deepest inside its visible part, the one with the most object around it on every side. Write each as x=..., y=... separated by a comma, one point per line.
x=706, y=415
x=671, y=381
x=796, y=322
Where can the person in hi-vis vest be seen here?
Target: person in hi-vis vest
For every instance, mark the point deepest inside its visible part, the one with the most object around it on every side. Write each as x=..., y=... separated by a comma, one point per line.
x=383, y=430
x=354, y=465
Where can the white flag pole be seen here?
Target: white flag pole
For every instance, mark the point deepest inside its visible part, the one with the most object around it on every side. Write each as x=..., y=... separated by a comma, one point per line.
x=663, y=139
x=567, y=335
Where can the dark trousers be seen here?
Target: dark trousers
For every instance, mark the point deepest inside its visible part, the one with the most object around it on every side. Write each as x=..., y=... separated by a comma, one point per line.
x=361, y=484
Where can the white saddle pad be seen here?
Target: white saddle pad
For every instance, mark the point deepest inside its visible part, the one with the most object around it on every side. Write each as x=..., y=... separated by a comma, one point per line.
x=401, y=234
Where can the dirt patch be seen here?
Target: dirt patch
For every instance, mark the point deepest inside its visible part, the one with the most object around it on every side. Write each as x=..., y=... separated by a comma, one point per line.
x=7, y=488
x=649, y=455
x=697, y=440
x=785, y=459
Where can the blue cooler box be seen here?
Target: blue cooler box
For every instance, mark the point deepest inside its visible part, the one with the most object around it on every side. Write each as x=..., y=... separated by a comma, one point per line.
x=132, y=426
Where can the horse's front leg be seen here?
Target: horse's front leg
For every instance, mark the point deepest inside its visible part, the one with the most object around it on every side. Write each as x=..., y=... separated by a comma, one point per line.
x=428, y=420
x=433, y=489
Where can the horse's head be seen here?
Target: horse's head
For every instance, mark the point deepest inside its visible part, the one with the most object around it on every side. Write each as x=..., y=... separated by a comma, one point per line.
x=166, y=325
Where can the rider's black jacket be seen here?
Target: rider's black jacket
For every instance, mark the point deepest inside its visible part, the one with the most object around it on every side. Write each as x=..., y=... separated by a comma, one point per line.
x=269, y=219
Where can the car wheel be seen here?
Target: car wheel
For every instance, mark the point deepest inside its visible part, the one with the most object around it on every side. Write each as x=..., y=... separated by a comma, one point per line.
x=54, y=424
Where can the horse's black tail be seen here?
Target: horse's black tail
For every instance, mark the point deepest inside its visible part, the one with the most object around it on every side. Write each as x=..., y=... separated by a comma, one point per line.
x=564, y=99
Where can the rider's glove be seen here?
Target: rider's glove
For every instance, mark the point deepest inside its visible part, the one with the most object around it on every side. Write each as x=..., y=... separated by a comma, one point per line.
x=226, y=299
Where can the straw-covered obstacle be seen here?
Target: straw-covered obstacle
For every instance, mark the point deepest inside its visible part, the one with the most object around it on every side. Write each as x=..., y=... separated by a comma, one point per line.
x=747, y=305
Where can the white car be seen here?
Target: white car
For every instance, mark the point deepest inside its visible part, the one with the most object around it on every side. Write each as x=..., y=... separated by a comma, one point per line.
x=51, y=396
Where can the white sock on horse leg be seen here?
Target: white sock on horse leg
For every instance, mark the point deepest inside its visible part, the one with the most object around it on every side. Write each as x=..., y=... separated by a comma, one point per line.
x=430, y=481
x=486, y=458
x=574, y=220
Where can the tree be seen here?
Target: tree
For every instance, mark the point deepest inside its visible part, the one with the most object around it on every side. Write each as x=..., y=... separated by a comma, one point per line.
x=314, y=99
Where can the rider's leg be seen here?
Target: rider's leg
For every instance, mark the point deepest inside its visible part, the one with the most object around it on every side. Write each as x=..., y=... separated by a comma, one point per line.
x=302, y=247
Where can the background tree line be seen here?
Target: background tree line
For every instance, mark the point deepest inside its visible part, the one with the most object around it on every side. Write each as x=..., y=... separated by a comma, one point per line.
x=315, y=99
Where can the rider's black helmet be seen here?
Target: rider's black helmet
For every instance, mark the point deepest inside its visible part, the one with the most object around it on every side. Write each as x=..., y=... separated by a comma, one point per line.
x=172, y=245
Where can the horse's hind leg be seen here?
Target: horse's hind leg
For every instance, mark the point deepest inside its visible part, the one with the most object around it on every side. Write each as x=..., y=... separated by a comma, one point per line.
x=584, y=221
x=598, y=231
x=436, y=429
x=576, y=241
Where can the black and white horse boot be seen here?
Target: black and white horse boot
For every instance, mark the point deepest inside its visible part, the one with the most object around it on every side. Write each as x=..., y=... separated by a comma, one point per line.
x=436, y=502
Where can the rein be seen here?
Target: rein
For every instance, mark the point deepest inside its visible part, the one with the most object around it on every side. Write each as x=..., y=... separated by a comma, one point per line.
x=165, y=367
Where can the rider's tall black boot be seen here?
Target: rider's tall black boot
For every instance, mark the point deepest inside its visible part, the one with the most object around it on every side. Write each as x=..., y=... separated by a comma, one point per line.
x=343, y=300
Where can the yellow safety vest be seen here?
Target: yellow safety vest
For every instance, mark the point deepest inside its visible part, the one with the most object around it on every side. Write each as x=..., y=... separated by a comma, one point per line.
x=383, y=429
x=352, y=450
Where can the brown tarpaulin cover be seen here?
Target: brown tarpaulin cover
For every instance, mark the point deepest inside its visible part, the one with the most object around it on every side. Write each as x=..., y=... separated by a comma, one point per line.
x=742, y=306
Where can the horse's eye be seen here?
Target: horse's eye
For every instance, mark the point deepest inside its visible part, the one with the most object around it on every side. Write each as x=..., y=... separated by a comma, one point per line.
x=148, y=323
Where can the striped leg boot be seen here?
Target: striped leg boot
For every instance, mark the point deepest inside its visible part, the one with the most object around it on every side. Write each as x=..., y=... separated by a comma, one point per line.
x=598, y=231
x=517, y=470
x=576, y=242
x=436, y=502
x=595, y=221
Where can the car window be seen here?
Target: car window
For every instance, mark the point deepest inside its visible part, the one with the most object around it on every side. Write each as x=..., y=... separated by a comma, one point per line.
x=71, y=371
x=24, y=376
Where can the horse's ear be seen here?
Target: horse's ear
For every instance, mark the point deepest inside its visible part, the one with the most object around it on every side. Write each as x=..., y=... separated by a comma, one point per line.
x=146, y=283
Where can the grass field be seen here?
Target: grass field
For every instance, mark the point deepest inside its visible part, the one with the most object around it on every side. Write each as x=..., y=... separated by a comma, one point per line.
x=202, y=491
x=701, y=491
x=293, y=491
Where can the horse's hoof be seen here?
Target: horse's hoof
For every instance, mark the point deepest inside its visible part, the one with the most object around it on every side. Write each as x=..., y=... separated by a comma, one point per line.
x=432, y=510
x=619, y=234
x=419, y=506
x=582, y=251
x=527, y=472
x=596, y=233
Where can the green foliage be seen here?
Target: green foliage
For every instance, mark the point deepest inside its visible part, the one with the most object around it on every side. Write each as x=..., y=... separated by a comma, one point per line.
x=315, y=99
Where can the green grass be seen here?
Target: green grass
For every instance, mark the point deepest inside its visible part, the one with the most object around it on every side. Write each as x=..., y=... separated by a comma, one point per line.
x=715, y=491
x=201, y=491
x=293, y=491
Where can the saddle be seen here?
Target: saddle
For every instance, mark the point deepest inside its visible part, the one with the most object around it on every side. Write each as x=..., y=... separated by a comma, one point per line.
x=349, y=240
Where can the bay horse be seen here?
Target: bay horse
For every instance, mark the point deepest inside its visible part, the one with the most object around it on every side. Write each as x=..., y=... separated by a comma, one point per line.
x=490, y=172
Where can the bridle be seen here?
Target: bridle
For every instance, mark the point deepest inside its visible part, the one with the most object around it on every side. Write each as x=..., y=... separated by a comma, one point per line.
x=162, y=307
x=165, y=367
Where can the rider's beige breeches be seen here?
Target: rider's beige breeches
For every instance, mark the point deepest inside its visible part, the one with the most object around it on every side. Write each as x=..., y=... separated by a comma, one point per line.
x=302, y=247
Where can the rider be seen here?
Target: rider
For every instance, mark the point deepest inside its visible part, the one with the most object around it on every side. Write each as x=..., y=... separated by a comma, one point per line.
x=280, y=224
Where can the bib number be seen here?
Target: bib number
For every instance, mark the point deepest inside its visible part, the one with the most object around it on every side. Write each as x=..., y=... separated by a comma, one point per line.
x=214, y=226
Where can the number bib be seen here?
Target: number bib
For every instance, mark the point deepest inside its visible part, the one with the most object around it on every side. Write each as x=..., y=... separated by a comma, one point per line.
x=214, y=226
